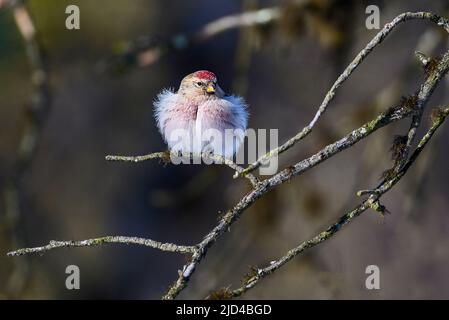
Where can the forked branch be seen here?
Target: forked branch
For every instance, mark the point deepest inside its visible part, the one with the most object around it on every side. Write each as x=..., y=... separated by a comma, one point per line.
x=371, y=202
x=378, y=39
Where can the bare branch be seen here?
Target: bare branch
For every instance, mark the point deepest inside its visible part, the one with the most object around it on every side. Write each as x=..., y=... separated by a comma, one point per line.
x=166, y=156
x=260, y=188
x=35, y=116
x=146, y=52
x=444, y=23
x=265, y=186
x=414, y=125
x=150, y=51
x=371, y=202
x=170, y=247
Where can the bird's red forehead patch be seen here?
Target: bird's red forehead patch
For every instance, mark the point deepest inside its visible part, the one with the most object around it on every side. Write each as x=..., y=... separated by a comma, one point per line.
x=206, y=75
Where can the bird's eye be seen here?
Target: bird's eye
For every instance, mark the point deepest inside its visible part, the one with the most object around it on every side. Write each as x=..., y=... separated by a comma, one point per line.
x=199, y=84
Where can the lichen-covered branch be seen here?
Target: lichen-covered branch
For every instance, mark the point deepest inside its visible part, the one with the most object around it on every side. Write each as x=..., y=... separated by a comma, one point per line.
x=391, y=115
x=170, y=247
x=371, y=202
x=166, y=155
x=386, y=30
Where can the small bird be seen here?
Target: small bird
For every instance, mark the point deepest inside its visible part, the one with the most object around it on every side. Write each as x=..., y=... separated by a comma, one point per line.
x=200, y=117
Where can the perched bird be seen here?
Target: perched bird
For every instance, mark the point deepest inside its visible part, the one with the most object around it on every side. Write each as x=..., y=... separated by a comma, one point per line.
x=200, y=117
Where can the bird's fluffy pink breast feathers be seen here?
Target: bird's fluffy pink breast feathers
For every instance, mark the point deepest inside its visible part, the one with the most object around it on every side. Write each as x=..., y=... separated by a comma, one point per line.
x=174, y=111
x=221, y=114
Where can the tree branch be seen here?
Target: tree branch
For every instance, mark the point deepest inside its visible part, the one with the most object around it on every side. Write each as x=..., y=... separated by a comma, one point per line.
x=265, y=186
x=411, y=107
x=442, y=22
x=170, y=247
x=371, y=202
x=166, y=155
x=35, y=116
x=147, y=51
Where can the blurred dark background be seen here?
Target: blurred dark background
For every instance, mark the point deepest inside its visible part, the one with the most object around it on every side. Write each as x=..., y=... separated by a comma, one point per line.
x=68, y=191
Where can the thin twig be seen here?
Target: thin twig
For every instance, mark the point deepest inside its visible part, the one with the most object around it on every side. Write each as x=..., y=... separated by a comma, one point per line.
x=170, y=247
x=342, y=78
x=416, y=120
x=147, y=51
x=166, y=155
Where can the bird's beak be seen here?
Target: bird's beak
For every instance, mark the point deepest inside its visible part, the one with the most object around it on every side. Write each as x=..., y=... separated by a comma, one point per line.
x=210, y=89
